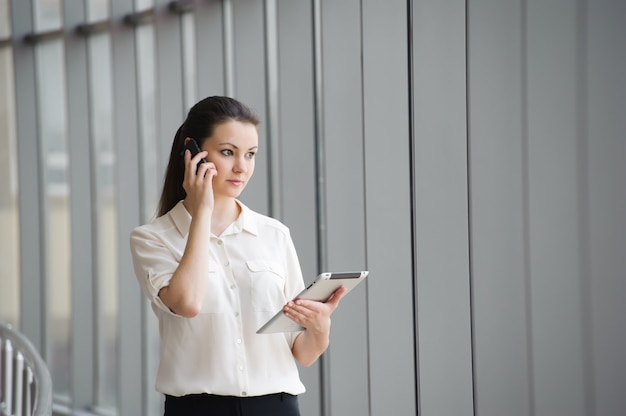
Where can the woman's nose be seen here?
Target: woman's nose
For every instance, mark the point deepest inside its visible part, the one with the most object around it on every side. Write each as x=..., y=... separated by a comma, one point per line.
x=240, y=165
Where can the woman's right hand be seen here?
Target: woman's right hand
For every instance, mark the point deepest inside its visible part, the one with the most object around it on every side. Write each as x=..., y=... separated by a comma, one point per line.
x=198, y=183
x=186, y=291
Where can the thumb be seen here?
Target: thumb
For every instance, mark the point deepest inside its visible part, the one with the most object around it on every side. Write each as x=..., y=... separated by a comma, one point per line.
x=336, y=297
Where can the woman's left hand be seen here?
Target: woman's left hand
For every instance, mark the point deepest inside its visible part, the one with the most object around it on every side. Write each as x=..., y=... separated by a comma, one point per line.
x=313, y=315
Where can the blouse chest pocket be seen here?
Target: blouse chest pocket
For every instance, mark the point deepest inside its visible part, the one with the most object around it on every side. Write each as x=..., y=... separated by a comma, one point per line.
x=267, y=285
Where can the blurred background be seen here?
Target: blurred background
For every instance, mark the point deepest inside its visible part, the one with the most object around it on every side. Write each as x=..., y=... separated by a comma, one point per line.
x=469, y=154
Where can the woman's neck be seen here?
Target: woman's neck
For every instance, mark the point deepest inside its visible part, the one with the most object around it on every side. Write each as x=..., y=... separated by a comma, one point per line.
x=225, y=212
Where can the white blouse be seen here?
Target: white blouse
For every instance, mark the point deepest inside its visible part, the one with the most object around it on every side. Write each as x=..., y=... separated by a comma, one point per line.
x=254, y=270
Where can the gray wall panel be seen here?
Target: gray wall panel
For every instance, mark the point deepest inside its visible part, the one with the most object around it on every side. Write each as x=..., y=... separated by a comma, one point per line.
x=170, y=108
x=297, y=130
x=441, y=208
x=210, y=49
x=343, y=133
x=553, y=208
x=297, y=154
x=606, y=144
x=387, y=173
x=344, y=189
x=495, y=95
x=249, y=86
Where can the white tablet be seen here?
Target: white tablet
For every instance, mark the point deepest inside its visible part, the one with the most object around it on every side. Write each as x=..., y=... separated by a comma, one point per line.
x=320, y=290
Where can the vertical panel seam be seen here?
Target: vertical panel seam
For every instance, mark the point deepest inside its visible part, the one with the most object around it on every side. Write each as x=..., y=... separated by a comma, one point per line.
x=320, y=185
x=526, y=205
x=367, y=306
x=469, y=211
x=272, y=98
x=411, y=119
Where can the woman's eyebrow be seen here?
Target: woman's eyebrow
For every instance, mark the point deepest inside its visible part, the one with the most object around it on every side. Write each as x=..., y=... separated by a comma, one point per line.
x=230, y=144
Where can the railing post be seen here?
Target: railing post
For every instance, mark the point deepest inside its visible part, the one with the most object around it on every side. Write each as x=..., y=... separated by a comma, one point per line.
x=18, y=384
x=7, y=375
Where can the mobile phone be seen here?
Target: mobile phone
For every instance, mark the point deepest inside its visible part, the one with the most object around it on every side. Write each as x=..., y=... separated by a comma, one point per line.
x=193, y=147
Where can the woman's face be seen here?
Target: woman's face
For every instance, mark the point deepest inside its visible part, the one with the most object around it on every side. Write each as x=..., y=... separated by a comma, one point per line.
x=232, y=149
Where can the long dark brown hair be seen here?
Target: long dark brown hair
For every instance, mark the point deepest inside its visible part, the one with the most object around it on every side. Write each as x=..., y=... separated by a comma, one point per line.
x=201, y=121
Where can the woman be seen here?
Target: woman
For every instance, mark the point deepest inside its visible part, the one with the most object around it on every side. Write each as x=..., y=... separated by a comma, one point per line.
x=215, y=271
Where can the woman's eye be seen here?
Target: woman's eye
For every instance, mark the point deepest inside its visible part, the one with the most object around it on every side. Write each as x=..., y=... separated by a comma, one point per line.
x=227, y=152
x=250, y=155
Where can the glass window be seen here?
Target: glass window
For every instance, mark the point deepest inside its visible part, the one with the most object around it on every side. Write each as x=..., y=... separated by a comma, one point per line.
x=189, y=59
x=97, y=10
x=56, y=204
x=146, y=79
x=47, y=14
x=5, y=20
x=9, y=210
x=105, y=200
x=105, y=194
x=55, y=197
x=143, y=4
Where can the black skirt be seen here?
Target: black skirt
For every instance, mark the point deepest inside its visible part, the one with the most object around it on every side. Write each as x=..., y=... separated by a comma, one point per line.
x=279, y=404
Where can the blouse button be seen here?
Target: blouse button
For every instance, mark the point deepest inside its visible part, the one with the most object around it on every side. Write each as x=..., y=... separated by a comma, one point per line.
x=219, y=242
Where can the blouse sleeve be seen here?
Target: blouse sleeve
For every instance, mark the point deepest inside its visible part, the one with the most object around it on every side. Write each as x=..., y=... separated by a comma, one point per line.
x=154, y=263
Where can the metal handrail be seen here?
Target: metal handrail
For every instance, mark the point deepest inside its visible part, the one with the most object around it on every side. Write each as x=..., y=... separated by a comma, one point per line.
x=43, y=383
